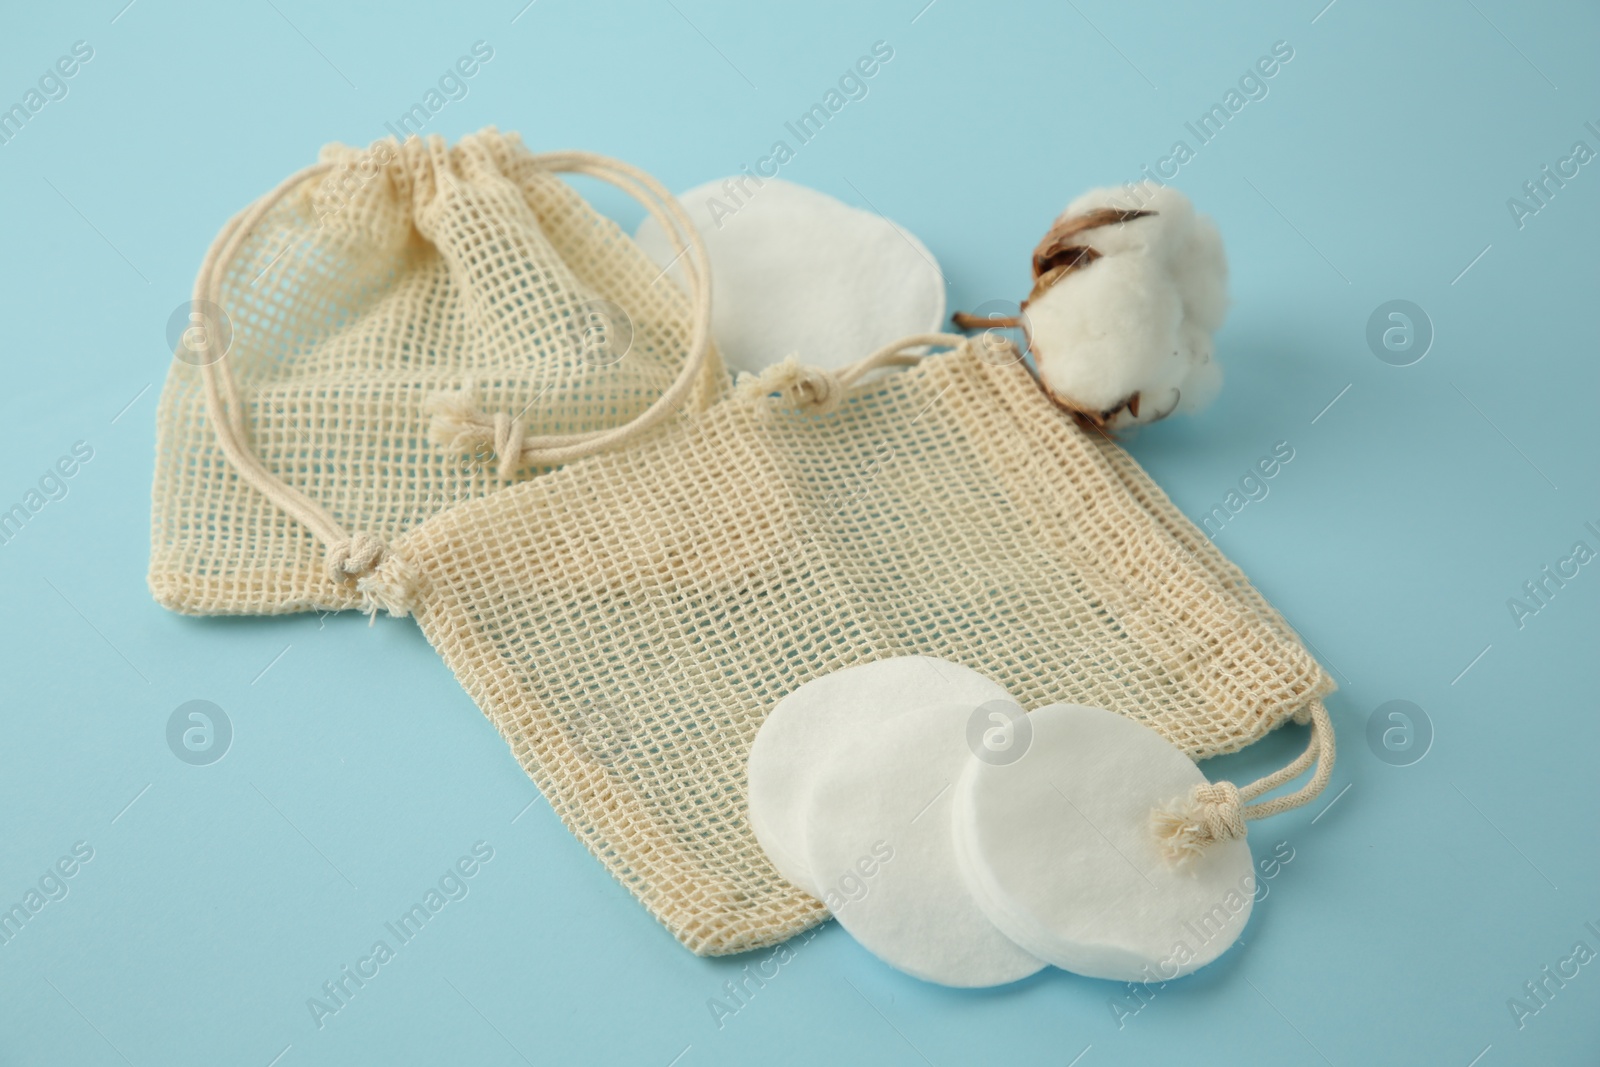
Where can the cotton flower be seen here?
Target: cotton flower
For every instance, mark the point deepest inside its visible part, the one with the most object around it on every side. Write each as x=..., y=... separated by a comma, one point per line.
x=1124, y=304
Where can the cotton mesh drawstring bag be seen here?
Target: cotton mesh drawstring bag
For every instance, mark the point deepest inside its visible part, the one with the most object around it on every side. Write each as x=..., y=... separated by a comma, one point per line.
x=627, y=621
x=367, y=293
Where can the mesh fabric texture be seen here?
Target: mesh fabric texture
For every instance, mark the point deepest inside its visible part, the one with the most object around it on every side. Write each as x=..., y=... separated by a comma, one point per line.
x=626, y=622
x=406, y=270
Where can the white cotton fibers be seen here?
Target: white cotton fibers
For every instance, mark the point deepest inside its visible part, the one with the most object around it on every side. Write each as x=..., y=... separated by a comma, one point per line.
x=1128, y=292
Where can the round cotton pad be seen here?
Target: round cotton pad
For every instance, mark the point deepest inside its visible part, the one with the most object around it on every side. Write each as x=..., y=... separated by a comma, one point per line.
x=796, y=272
x=805, y=728
x=1057, y=848
x=878, y=842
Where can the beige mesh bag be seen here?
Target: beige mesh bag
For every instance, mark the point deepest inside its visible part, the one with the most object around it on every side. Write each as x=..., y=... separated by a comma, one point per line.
x=628, y=620
x=347, y=298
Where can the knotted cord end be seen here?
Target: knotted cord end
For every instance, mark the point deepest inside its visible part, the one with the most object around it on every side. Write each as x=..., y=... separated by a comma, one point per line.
x=354, y=557
x=458, y=424
x=811, y=389
x=1211, y=812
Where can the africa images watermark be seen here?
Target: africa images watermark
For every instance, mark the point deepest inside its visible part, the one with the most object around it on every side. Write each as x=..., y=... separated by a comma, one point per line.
x=53, y=485
x=851, y=86
x=851, y=886
x=753, y=978
x=53, y=885
x=1201, y=929
x=51, y=86
x=1252, y=86
x=451, y=87
x=452, y=885
x=335, y=193
x=1537, y=993
x=1538, y=192
x=1252, y=488
x=1542, y=588
x=855, y=883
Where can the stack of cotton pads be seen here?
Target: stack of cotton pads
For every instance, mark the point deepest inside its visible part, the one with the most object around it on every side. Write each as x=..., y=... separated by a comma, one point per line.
x=968, y=843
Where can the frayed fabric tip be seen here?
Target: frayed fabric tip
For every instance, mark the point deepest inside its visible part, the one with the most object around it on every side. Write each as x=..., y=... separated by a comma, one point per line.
x=457, y=423
x=391, y=587
x=1185, y=828
x=454, y=419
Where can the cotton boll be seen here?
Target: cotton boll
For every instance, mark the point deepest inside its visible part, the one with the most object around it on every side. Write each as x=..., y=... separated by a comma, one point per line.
x=1107, y=331
x=1203, y=381
x=1201, y=270
x=1174, y=214
x=1191, y=245
x=1129, y=286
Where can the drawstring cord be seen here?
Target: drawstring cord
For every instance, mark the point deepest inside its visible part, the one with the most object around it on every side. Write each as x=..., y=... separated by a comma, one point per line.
x=1217, y=811
x=459, y=425
x=1212, y=812
x=817, y=390
x=356, y=555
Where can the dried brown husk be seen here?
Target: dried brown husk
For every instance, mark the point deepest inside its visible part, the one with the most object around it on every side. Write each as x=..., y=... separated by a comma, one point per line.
x=1062, y=251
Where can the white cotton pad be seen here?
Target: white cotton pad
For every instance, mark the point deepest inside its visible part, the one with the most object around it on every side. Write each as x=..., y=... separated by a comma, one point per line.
x=878, y=842
x=796, y=272
x=804, y=729
x=1057, y=848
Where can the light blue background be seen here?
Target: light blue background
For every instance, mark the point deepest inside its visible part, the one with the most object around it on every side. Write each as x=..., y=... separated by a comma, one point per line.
x=1378, y=168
